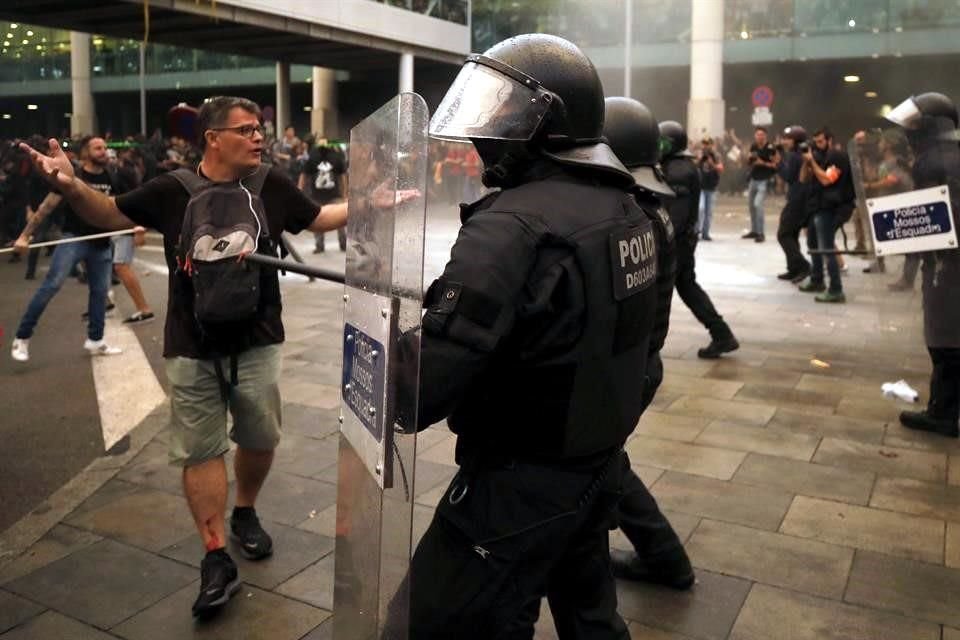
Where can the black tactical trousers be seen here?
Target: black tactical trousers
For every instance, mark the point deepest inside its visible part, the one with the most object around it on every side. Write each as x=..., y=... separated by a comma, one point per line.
x=518, y=533
x=693, y=295
x=944, y=384
x=641, y=519
x=793, y=219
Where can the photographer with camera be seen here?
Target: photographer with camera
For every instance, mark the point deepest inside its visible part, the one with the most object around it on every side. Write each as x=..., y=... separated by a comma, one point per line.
x=762, y=161
x=830, y=203
x=711, y=167
x=794, y=216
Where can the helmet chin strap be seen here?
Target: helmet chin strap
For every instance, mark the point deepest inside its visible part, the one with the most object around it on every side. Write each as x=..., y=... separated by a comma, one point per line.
x=505, y=163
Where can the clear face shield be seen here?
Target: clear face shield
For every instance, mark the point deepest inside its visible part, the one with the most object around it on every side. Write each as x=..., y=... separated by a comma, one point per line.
x=490, y=100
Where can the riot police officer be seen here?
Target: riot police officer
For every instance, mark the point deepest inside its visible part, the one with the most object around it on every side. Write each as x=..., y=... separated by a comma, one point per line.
x=930, y=121
x=532, y=340
x=659, y=556
x=682, y=176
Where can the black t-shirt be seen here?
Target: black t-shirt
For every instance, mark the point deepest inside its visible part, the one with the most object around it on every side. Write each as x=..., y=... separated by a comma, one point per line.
x=709, y=177
x=160, y=204
x=72, y=223
x=766, y=154
x=838, y=196
x=324, y=170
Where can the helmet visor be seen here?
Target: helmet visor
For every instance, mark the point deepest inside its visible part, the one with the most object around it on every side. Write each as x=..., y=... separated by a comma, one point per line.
x=906, y=114
x=485, y=103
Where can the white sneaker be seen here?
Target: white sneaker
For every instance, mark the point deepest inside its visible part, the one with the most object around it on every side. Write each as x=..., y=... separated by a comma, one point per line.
x=20, y=350
x=100, y=348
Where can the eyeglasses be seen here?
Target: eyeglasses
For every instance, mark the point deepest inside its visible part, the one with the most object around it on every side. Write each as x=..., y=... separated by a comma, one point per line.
x=245, y=130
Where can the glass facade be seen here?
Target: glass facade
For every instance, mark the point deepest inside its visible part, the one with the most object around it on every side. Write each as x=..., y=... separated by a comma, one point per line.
x=450, y=10
x=599, y=23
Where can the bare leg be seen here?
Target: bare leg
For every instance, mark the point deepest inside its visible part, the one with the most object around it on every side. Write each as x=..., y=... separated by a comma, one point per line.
x=205, y=486
x=132, y=284
x=251, y=467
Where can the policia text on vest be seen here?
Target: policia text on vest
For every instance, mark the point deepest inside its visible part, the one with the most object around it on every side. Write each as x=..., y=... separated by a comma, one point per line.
x=634, y=255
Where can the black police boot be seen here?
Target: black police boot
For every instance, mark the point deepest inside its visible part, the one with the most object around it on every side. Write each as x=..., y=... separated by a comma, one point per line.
x=718, y=347
x=923, y=421
x=669, y=568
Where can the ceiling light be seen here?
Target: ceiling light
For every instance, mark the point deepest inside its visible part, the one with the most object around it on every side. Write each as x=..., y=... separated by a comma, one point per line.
x=25, y=42
x=899, y=29
x=851, y=78
x=885, y=110
x=308, y=108
x=29, y=33
x=39, y=47
x=6, y=43
x=9, y=35
x=32, y=107
x=851, y=23
x=7, y=116
x=870, y=94
x=744, y=35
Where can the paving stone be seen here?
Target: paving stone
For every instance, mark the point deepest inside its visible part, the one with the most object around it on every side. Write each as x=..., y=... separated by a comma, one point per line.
x=695, y=368
x=151, y=468
x=293, y=551
x=702, y=387
x=662, y=401
x=920, y=498
x=683, y=525
x=104, y=583
x=882, y=460
x=900, y=436
x=954, y=475
x=774, y=442
x=707, y=611
x=681, y=456
x=252, y=613
x=865, y=528
x=879, y=409
x=731, y=370
x=829, y=426
x=15, y=610
x=759, y=507
x=322, y=632
x=430, y=475
x=440, y=453
x=313, y=585
x=647, y=475
x=52, y=625
x=319, y=396
x=915, y=589
x=951, y=634
x=775, y=613
x=806, y=478
x=643, y=632
x=838, y=385
x=111, y=490
x=57, y=543
x=810, y=402
x=953, y=545
x=668, y=426
x=148, y=519
x=289, y=499
x=771, y=558
x=305, y=456
x=308, y=421
x=739, y=412
x=323, y=522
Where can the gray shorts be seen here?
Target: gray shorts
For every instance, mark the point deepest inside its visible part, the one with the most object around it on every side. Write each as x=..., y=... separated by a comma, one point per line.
x=198, y=424
x=123, y=249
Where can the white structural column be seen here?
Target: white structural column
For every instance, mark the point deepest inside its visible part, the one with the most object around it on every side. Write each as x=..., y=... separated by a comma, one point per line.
x=705, y=111
x=283, y=97
x=406, y=72
x=323, y=117
x=83, y=120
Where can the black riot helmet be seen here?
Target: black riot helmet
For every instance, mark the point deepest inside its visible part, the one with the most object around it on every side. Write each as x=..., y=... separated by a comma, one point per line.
x=533, y=94
x=673, y=139
x=796, y=133
x=909, y=113
x=632, y=131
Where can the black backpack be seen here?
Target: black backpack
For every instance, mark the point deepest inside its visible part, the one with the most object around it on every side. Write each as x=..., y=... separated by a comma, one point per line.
x=222, y=222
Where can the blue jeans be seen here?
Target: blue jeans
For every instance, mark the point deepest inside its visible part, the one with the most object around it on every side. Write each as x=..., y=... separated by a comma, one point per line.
x=821, y=235
x=756, y=195
x=99, y=263
x=707, y=199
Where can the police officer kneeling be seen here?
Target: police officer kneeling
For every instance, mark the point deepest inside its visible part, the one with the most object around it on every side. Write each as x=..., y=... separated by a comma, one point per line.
x=535, y=340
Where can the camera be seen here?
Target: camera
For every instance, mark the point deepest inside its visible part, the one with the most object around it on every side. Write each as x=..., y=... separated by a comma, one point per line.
x=803, y=147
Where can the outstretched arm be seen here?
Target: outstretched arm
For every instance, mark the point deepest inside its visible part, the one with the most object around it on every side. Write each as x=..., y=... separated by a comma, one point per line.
x=96, y=208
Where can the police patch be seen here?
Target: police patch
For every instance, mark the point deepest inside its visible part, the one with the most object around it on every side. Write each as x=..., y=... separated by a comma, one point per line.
x=633, y=260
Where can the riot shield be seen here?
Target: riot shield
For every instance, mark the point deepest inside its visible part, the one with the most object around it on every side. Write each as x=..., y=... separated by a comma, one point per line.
x=382, y=303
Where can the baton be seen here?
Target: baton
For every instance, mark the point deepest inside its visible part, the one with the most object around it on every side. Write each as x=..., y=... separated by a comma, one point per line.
x=51, y=243
x=838, y=252
x=297, y=267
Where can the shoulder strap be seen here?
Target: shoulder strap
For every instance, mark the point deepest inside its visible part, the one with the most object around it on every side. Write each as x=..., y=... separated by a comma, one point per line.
x=254, y=182
x=190, y=181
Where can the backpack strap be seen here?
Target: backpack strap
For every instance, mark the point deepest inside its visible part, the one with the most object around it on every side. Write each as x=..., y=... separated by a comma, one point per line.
x=190, y=181
x=254, y=182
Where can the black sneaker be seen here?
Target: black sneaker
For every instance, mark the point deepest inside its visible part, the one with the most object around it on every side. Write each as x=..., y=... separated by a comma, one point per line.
x=801, y=276
x=811, y=286
x=923, y=421
x=219, y=581
x=245, y=530
x=716, y=348
x=786, y=275
x=759, y=237
x=749, y=235
x=139, y=317
x=670, y=568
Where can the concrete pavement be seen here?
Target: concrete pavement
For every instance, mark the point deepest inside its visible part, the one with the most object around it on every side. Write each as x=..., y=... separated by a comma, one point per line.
x=807, y=510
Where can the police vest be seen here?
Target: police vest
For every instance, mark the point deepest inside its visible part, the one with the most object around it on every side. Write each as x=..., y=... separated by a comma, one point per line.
x=567, y=381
